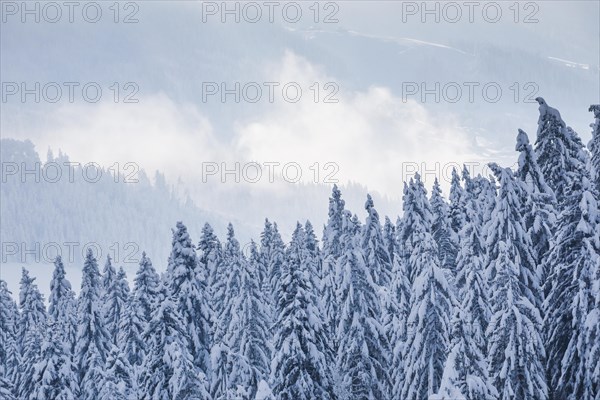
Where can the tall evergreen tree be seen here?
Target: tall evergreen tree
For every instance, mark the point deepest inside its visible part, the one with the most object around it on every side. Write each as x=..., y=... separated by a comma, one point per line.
x=188, y=289
x=210, y=255
x=32, y=326
x=539, y=212
x=374, y=249
x=138, y=312
x=457, y=210
x=118, y=382
x=62, y=307
x=93, y=340
x=558, y=150
x=442, y=231
x=465, y=374
x=572, y=263
x=9, y=353
x=362, y=358
x=332, y=249
x=115, y=303
x=508, y=223
x=428, y=336
x=417, y=218
x=299, y=365
x=515, y=347
x=147, y=283
x=248, y=338
x=168, y=371
x=54, y=378
x=229, y=285
x=594, y=146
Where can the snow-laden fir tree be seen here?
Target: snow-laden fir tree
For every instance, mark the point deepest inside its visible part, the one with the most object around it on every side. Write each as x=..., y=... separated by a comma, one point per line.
x=109, y=274
x=115, y=303
x=558, y=149
x=593, y=340
x=118, y=381
x=442, y=231
x=168, y=371
x=395, y=319
x=456, y=210
x=390, y=240
x=62, y=308
x=472, y=283
x=187, y=288
x=508, y=223
x=138, y=312
x=275, y=248
x=55, y=377
x=332, y=249
x=572, y=262
x=486, y=192
x=146, y=286
x=228, y=284
x=9, y=353
x=210, y=255
x=93, y=341
x=417, y=218
x=248, y=337
x=31, y=329
x=363, y=354
x=465, y=374
x=374, y=248
x=540, y=211
x=594, y=146
x=428, y=334
x=515, y=347
x=299, y=367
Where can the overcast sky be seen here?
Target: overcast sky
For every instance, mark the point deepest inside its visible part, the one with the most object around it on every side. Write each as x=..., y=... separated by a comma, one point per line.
x=373, y=58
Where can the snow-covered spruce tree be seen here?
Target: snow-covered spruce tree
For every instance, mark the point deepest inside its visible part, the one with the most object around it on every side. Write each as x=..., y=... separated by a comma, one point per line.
x=395, y=319
x=507, y=223
x=146, y=285
x=138, y=312
x=486, y=200
x=31, y=329
x=390, y=240
x=374, y=249
x=314, y=257
x=472, y=283
x=428, y=335
x=457, y=210
x=62, y=308
x=465, y=374
x=594, y=146
x=248, y=338
x=417, y=218
x=55, y=377
x=539, y=212
x=130, y=342
x=275, y=264
x=168, y=371
x=115, y=303
x=559, y=150
x=118, y=381
x=187, y=288
x=442, y=232
x=515, y=347
x=93, y=341
x=593, y=340
x=210, y=255
x=332, y=249
x=299, y=367
x=572, y=262
x=109, y=274
x=228, y=285
x=363, y=353
x=9, y=353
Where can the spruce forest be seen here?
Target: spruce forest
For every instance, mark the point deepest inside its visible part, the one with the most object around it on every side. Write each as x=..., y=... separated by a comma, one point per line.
x=490, y=291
